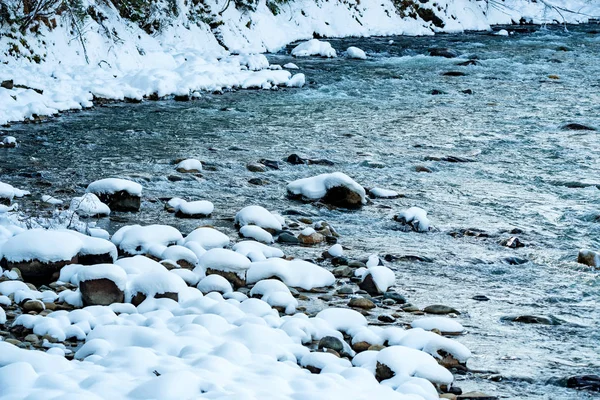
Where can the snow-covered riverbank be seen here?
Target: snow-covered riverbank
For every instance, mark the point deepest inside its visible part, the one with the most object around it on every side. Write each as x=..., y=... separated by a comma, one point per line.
x=54, y=70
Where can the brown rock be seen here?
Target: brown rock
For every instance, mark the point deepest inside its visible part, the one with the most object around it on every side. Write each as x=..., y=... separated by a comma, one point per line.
x=232, y=277
x=312, y=239
x=100, y=292
x=361, y=302
x=361, y=346
x=32, y=338
x=140, y=297
x=33, y=305
x=383, y=372
x=120, y=201
x=40, y=273
x=368, y=285
x=588, y=257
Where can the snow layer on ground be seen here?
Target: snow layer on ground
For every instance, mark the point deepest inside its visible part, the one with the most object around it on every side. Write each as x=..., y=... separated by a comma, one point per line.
x=113, y=185
x=316, y=187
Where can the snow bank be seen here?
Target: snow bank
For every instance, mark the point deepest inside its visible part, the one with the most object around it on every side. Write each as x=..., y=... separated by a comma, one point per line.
x=314, y=47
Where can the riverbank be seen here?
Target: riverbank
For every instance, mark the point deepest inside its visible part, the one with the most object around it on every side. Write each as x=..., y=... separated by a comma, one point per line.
x=53, y=69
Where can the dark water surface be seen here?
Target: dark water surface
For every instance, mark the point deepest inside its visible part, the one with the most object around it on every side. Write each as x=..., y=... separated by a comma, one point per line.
x=526, y=173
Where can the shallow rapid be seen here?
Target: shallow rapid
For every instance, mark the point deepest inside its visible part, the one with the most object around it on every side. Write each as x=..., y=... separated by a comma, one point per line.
x=504, y=116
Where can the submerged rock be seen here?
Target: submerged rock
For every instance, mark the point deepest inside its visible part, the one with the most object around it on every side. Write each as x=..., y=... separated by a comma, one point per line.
x=531, y=319
x=440, y=309
x=588, y=257
x=574, y=126
x=584, y=382
x=443, y=52
x=512, y=242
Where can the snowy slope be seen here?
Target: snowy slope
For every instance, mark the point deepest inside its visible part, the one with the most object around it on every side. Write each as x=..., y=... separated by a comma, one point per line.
x=114, y=58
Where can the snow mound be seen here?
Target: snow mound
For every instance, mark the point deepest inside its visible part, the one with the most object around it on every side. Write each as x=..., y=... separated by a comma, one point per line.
x=136, y=239
x=89, y=205
x=294, y=273
x=259, y=216
x=297, y=80
x=195, y=208
x=154, y=283
x=355, y=52
x=251, y=248
x=343, y=319
x=383, y=193
x=407, y=362
x=314, y=47
x=179, y=253
x=113, y=185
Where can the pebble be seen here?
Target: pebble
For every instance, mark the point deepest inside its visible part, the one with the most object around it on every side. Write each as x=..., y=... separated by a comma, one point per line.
x=33, y=305
x=330, y=342
x=32, y=338
x=388, y=302
x=410, y=308
x=286, y=237
x=256, y=167
x=386, y=318
x=395, y=296
x=361, y=346
x=480, y=297
x=342, y=272
x=345, y=290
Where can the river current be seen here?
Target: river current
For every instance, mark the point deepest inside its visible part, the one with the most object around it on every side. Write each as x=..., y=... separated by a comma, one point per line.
x=504, y=115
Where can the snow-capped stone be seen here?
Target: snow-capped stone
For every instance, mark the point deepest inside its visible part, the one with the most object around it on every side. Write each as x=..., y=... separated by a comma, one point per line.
x=89, y=205
x=309, y=236
x=443, y=324
x=377, y=280
x=9, y=142
x=51, y=200
x=415, y=218
x=94, y=250
x=102, y=284
x=189, y=165
x=229, y=264
x=183, y=256
x=259, y=216
x=194, y=209
x=298, y=80
x=118, y=194
x=336, y=250
x=290, y=66
x=214, y=283
x=337, y=189
x=7, y=193
x=294, y=273
x=136, y=239
x=314, y=47
x=39, y=254
x=588, y=257
x=257, y=233
x=379, y=193
x=154, y=284
x=250, y=247
x=208, y=238
x=356, y=53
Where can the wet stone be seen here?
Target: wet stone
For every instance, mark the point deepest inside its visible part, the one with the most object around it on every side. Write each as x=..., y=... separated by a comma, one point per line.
x=361, y=302
x=386, y=318
x=286, y=237
x=345, y=290
x=512, y=242
x=480, y=297
x=396, y=297
x=440, y=309
x=330, y=342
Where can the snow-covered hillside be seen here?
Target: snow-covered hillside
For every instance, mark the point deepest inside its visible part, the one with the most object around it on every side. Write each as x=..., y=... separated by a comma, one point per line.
x=74, y=50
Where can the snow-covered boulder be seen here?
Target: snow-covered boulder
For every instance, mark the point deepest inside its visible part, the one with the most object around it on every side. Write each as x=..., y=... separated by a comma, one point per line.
x=314, y=47
x=214, y=283
x=9, y=142
x=183, y=256
x=276, y=294
x=118, y=194
x=415, y=218
x=259, y=216
x=194, y=209
x=380, y=193
x=297, y=80
x=356, y=53
x=294, y=273
x=336, y=189
x=190, y=165
x=154, y=284
x=229, y=264
x=94, y=250
x=102, y=284
x=257, y=251
x=446, y=326
x=9, y=192
x=208, y=238
x=257, y=233
x=588, y=257
x=308, y=236
x=89, y=205
x=40, y=254
x=136, y=239
x=376, y=280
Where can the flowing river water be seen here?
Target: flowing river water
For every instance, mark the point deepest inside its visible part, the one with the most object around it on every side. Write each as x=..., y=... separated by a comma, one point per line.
x=526, y=174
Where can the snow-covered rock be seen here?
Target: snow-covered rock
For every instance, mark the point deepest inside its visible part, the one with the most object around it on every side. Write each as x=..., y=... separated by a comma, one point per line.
x=214, y=283
x=136, y=239
x=154, y=284
x=297, y=80
x=208, y=238
x=181, y=255
x=294, y=273
x=194, y=209
x=89, y=205
x=102, y=284
x=314, y=47
x=443, y=324
x=589, y=257
x=415, y=218
x=257, y=233
x=259, y=216
x=356, y=53
x=189, y=165
x=337, y=189
x=118, y=194
x=227, y=263
x=380, y=193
